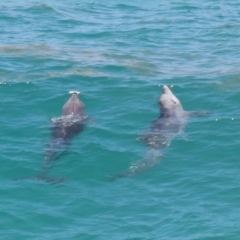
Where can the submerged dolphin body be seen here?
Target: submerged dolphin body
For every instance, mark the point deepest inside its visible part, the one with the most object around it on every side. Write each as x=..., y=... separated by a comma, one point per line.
x=171, y=121
x=65, y=128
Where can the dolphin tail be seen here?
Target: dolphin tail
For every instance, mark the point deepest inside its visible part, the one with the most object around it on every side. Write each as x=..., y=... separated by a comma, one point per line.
x=151, y=159
x=131, y=171
x=123, y=174
x=49, y=179
x=44, y=178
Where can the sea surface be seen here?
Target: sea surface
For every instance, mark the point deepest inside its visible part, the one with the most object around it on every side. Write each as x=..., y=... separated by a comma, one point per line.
x=119, y=54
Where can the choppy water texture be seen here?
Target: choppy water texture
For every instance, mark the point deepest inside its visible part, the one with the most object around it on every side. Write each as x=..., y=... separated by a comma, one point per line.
x=119, y=54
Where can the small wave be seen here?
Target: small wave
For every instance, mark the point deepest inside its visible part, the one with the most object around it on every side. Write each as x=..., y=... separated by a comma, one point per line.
x=41, y=8
x=128, y=7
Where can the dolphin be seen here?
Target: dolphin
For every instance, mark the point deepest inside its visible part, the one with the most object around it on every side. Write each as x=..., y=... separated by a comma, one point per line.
x=171, y=121
x=64, y=129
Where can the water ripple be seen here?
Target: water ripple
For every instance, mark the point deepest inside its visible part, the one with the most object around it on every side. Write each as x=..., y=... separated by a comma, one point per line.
x=119, y=54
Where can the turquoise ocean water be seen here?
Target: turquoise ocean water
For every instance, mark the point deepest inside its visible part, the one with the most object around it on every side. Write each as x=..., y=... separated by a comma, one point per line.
x=119, y=54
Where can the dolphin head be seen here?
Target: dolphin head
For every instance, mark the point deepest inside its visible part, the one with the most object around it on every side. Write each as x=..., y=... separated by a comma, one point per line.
x=74, y=106
x=169, y=104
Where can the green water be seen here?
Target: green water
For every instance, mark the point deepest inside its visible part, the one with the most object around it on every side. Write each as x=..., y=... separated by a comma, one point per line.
x=119, y=55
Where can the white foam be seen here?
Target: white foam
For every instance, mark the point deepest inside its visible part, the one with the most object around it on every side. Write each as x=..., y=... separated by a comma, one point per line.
x=74, y=92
